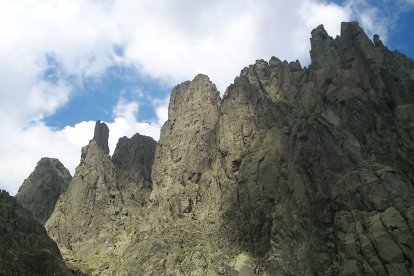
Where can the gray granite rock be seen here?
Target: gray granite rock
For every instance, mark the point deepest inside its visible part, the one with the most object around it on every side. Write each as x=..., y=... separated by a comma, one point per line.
x=133, y=159
x=40, y=191
x=295, y=171
x=96, y=218
x=25, y=248
x=101, y=136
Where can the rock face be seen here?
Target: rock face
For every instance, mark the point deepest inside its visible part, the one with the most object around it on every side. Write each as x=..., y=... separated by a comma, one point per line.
x=133, y=159
x=187, y=144
x=95, y=219
x=42, y=188
x=25, y=248
x=101, y=136
x=295, y=171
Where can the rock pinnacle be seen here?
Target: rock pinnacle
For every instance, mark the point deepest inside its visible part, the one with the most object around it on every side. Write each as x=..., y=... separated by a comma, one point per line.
x=101, y=135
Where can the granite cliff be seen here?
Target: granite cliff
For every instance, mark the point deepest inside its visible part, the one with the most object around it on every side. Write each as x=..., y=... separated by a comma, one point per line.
x=40, y=191
x=96, y=219
x=25, y=247
x=294, y=171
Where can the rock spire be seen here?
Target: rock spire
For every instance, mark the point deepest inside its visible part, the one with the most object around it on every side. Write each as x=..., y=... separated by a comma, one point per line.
x=101, y=136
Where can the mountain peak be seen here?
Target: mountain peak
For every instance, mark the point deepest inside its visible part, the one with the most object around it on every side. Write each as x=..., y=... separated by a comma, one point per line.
x=295, y=171
x=351, y=29
x=42, y=188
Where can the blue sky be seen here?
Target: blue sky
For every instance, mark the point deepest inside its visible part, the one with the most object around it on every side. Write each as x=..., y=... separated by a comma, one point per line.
x=402, y=36
x=94, y=98
x=66, y=63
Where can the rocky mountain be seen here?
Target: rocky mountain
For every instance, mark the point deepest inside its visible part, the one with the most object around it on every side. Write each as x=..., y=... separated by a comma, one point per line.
x=95, y=220
x=25, y=247
x=294, y=171
x=40, y=191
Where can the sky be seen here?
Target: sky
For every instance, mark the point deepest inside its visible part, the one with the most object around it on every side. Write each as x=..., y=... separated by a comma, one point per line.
x=66, y=63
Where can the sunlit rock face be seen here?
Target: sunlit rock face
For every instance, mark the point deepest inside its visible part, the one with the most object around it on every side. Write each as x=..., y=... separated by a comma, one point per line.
x=95, y=219
x=294, y=171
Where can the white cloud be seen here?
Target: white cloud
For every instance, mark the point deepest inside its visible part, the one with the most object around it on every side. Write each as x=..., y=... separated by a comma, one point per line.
x=126, y=124
x=126, y=109
x=312, y=14
x=21, y=148
x=378, y=17
x=167, y=40
x=174, y=40
x=25, y=146
x=371, y=17
x=77, y=135
x=162, y=112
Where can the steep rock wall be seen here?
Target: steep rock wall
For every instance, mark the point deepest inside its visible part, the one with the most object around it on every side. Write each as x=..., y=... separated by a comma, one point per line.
x=296, y=171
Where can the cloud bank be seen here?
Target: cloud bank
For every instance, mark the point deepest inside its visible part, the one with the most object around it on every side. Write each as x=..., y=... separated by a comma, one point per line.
x=49, y=47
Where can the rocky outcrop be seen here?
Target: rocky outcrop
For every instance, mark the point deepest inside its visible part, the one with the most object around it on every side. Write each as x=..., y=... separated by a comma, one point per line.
x=95, y=219
x=313, y=146
x=133, y=159
x=187, y=145
x=101, y=136
x=295, y=153
x=40, y=191
x=295, y=171
x=181, y=221
x=25, y=248
x=135, y=156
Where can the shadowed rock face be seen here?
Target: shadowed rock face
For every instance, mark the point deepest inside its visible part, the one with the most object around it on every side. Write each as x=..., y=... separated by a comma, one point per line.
x=295, y=171
x=25, y=248
x=135, y=156
x=133, y=159
x=42, y=188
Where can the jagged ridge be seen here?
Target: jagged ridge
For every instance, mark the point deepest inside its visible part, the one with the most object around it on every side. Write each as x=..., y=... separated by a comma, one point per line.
x=295, y=171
